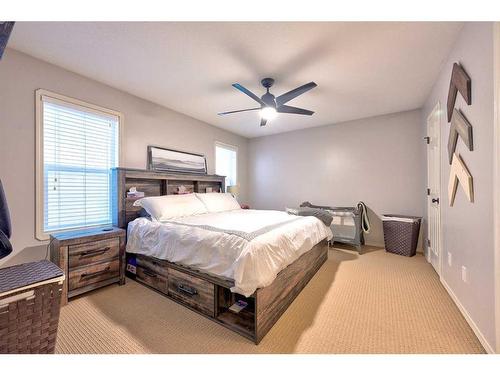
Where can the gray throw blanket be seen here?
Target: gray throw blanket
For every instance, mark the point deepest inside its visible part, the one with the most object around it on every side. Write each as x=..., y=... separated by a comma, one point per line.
x=323, y=215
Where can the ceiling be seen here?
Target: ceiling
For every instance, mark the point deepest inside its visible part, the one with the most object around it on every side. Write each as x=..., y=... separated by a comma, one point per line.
x=362, y=69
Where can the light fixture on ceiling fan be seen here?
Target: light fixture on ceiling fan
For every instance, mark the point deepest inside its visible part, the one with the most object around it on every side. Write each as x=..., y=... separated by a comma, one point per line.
x=270, y=105
x=268, y=113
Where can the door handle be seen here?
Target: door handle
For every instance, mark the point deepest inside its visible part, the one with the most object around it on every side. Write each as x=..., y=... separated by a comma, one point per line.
x=435, y=200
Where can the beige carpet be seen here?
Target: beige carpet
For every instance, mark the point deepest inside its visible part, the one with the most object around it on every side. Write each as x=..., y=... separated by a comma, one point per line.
x=371, y=303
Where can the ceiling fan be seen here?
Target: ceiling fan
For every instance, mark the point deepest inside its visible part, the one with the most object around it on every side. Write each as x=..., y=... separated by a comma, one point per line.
x=271, y=105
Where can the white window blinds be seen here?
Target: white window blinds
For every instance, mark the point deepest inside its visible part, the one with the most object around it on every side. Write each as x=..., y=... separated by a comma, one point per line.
x=226, y=162
x=80, y=145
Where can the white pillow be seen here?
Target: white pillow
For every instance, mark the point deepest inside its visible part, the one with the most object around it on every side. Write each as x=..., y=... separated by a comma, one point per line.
x=219, y=202
x=166, y=207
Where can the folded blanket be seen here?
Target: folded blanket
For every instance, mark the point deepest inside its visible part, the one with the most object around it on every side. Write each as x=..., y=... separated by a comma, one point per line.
x=322, y=215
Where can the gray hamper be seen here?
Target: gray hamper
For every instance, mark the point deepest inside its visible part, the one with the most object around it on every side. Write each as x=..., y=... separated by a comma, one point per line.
x=401, y=234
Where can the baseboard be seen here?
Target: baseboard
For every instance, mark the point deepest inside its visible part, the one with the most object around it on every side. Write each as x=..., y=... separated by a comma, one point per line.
x=468, y=318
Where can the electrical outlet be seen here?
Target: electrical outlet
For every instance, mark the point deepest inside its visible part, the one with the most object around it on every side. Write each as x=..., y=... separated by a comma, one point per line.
x=449, y=259
x=464, y=274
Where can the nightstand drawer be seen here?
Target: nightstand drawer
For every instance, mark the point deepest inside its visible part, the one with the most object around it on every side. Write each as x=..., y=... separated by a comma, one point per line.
x=83, y=276
x=93, y=252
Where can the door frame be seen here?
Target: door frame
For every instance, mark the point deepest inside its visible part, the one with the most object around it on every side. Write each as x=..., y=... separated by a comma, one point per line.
x=436, y=111
x=496, y=176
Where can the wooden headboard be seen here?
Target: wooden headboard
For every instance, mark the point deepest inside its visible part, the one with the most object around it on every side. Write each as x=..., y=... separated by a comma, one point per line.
x=153, y=184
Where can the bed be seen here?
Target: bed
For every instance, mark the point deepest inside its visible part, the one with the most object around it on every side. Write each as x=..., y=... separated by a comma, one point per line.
x=212, y=259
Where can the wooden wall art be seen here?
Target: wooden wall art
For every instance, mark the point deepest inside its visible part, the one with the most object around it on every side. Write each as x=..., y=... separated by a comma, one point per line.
x=459, y=174
x=459, y=127
x=460, y=82
x=5, y=30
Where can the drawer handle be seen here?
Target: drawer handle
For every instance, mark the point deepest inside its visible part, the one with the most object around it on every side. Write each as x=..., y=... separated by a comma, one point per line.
x=149, y=273
x=91, y=253
x=97, y=273
x=187, y=289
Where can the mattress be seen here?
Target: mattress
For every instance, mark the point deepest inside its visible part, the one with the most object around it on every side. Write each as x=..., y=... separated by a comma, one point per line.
x=248, y=246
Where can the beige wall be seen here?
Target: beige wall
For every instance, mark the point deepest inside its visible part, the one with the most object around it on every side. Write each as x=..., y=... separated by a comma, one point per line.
x=467, y=228
x=379, y=160
x=145, y=123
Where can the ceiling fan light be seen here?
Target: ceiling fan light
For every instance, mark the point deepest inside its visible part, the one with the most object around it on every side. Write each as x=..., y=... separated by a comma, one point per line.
x=268, y=113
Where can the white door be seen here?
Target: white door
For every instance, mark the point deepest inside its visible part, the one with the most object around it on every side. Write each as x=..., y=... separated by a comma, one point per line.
x=433, y=189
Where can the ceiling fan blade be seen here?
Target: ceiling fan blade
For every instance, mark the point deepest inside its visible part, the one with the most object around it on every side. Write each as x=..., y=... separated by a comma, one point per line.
x=239, y=110
x=287, y=96
x=249, y=93
x=5, y=31
x=297, y=111
x=263, y=122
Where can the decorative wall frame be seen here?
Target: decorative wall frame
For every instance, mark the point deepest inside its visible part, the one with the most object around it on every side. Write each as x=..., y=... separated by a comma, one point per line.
x=459, y=174
x=5, y=31
x=460, y=82
x=459, y=127
x=167, y=160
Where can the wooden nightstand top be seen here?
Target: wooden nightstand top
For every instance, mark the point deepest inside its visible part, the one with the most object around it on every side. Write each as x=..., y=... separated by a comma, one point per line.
x=85, y=235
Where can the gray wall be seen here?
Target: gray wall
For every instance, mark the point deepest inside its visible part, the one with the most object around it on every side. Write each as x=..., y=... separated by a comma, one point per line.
x=145, y=123
x=379, y=160
x=467, y=228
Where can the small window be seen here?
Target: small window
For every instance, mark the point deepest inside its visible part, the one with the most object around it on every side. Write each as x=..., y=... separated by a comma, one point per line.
x=77, y=145
x=226, y=162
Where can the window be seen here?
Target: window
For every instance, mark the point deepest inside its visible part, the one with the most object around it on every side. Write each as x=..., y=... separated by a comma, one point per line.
x=226, y=161
x=77, y=144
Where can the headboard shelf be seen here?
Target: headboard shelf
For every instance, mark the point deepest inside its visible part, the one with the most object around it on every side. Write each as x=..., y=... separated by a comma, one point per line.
x=145, y=174
x=153, y=183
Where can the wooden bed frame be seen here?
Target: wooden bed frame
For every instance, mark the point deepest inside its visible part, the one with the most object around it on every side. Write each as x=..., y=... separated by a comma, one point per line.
x=204, y=293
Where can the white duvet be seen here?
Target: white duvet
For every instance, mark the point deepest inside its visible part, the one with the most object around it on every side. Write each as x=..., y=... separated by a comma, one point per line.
x=248, y=246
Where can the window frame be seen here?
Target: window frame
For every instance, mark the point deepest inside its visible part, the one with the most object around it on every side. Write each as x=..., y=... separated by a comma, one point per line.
x=40, y=234
x=228, y=147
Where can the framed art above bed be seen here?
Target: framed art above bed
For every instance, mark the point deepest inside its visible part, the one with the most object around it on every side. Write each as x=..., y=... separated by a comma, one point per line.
x=166, y=160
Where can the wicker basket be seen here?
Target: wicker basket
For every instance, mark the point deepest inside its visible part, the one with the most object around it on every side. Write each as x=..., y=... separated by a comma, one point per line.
x=30, y=297
x=401, y=234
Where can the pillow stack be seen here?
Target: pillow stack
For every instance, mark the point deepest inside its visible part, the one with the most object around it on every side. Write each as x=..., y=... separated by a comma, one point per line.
x=167, y=207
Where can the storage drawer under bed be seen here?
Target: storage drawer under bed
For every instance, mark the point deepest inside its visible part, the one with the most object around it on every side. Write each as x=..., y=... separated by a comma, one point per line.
x=152, y=278
x=153, y=264
x=192, y=291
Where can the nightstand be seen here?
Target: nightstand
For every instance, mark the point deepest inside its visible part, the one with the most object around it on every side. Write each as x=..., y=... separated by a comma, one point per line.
x=90, y=258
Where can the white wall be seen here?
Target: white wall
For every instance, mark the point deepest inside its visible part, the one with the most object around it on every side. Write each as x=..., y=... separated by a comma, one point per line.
x=467, y=228
x=145, y=123
x=379, y=160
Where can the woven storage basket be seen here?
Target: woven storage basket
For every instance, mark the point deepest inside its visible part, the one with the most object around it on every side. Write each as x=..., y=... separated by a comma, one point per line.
x=30, y=298
x=401, y=237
